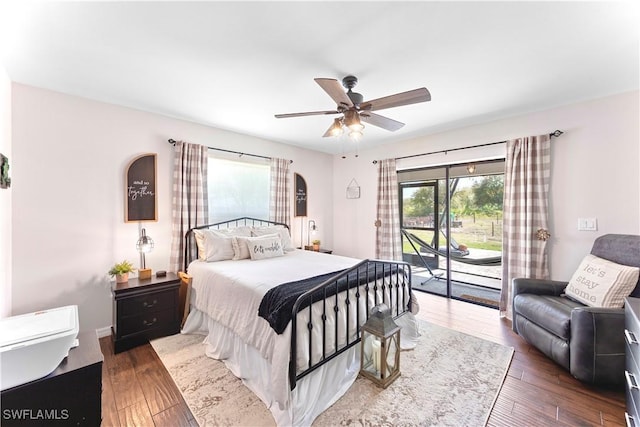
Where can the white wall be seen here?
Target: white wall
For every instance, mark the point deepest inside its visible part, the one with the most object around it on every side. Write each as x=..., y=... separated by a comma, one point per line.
x=5, y=197
x=69, y=157
x=595, y=173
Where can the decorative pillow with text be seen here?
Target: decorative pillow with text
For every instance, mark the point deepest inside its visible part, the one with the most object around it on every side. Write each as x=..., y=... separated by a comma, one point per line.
x=265, y=247
x=287, y=245
x=241, y=245
x=601, y=283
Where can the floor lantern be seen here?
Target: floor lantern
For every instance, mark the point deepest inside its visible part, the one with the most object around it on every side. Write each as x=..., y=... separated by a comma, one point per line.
x=380, y=347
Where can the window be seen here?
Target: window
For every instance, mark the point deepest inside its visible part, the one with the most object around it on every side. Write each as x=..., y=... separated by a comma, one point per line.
x=238, y=189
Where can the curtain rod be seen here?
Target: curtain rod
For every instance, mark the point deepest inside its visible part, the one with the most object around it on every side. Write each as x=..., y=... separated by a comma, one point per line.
x=173, y=142
x=555, y=133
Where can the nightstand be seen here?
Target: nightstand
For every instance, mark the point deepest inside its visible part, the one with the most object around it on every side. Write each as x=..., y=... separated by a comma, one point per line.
x=144, y=309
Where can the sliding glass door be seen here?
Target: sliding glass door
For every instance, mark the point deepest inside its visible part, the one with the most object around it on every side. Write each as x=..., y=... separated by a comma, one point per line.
x=451, y=220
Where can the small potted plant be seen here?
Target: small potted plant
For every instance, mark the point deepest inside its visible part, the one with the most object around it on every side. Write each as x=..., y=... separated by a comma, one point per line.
x=121, y=270
x=316, y=245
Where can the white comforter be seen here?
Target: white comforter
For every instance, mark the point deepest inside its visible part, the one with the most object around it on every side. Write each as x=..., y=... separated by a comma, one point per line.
x=230, y=292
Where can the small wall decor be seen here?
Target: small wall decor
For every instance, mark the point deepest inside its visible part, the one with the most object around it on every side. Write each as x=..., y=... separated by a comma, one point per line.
x=301, y=195
x=353, y=190
x=140, y=189
x=5, y=181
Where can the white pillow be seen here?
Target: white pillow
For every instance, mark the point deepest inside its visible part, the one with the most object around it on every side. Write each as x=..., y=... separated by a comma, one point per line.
x=240, y=248
x=202, y=234
x=199, y=235
x=283, y=231
x=263, y=247
x=214, y=245
x=601, y=283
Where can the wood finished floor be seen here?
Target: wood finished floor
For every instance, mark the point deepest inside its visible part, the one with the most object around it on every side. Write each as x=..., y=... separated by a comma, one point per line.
x=138, y=391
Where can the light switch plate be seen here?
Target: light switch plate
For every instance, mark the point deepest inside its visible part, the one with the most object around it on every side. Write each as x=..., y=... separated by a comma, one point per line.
x=587, y=224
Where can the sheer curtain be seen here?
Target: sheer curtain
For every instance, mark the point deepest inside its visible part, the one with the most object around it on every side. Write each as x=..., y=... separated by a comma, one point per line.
x=190, y=200
x=388, y=238
x=279, y=204
x=526, y=184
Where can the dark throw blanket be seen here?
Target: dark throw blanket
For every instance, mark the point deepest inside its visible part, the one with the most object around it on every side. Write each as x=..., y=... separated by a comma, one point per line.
x=278, y=302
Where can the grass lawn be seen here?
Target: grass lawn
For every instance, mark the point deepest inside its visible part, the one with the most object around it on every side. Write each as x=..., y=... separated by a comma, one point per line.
x=478, y=233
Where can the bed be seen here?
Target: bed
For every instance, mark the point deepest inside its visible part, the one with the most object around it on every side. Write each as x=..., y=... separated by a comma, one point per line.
x=286, y=321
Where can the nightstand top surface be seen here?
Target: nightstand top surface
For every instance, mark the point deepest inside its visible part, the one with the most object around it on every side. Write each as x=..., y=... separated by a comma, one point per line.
x=137, y=283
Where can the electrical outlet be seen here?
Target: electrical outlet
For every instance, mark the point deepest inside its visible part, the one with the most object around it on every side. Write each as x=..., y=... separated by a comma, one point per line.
x=587, y=224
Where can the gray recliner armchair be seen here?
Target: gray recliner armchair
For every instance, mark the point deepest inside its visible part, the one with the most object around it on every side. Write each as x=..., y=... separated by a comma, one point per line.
x=587, y=341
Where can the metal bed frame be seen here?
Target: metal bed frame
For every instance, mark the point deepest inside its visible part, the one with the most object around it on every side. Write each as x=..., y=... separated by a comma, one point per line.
x=327, y=292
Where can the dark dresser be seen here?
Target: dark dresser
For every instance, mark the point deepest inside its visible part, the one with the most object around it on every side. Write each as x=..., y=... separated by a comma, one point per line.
x=69, y=396
x=632, y=365
x=144, y=309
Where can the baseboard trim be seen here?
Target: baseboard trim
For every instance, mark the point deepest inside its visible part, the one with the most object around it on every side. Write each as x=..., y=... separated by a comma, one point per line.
x=104, y=332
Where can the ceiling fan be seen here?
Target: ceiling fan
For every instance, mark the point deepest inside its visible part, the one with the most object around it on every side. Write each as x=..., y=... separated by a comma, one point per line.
x=353, y=110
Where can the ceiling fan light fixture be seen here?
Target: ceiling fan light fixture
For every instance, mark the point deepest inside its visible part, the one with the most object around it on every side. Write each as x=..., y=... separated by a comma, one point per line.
x=352, y=121
x=336, y=129
x=355, y=135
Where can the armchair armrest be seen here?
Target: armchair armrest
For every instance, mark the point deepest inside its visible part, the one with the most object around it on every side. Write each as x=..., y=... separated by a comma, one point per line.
x=597, y=348
x=521, y=285
x=537, y=287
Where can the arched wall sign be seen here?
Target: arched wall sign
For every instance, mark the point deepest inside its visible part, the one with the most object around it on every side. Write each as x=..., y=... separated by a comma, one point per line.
x=141, y=201
x=301, y=195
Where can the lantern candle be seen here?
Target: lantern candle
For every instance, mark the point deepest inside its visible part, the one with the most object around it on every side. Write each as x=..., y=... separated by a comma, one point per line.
x=375, y=349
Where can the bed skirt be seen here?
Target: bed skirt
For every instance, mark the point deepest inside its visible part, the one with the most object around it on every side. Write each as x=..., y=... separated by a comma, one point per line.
x=314, y=393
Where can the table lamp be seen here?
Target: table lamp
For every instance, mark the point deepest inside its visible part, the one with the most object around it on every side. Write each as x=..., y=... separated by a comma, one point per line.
x=144, y=245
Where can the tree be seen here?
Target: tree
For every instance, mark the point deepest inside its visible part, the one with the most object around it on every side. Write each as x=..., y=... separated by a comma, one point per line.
x=488, y=193
x=462, y=202
x=420, y=203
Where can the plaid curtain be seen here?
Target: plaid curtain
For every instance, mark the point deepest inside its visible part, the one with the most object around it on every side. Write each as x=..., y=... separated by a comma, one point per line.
x=190, y=205
x=388, y=237
x=526, y=184
x=279, y=204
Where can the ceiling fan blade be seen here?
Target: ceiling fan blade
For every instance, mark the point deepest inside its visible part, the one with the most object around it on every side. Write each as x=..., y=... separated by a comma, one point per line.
x=335, y=91
x=397, y=100
x=308, y=113
x=380, y=121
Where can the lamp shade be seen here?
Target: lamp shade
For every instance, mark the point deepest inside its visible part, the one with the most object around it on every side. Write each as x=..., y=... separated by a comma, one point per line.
x=144, y=243
x=336, y=128
x=352, y=121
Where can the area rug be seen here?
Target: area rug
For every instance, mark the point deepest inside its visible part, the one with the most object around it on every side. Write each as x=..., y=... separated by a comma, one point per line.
x=450, y=379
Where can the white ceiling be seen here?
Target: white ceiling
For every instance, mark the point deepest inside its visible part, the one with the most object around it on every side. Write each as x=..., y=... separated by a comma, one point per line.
x=233, y=65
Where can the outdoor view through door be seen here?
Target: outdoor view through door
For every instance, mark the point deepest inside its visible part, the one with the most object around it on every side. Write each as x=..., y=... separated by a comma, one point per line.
x=452, y=229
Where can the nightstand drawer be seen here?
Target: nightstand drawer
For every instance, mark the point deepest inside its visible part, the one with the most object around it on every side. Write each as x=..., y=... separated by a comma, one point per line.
x=147, y=303
x=146, y=321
